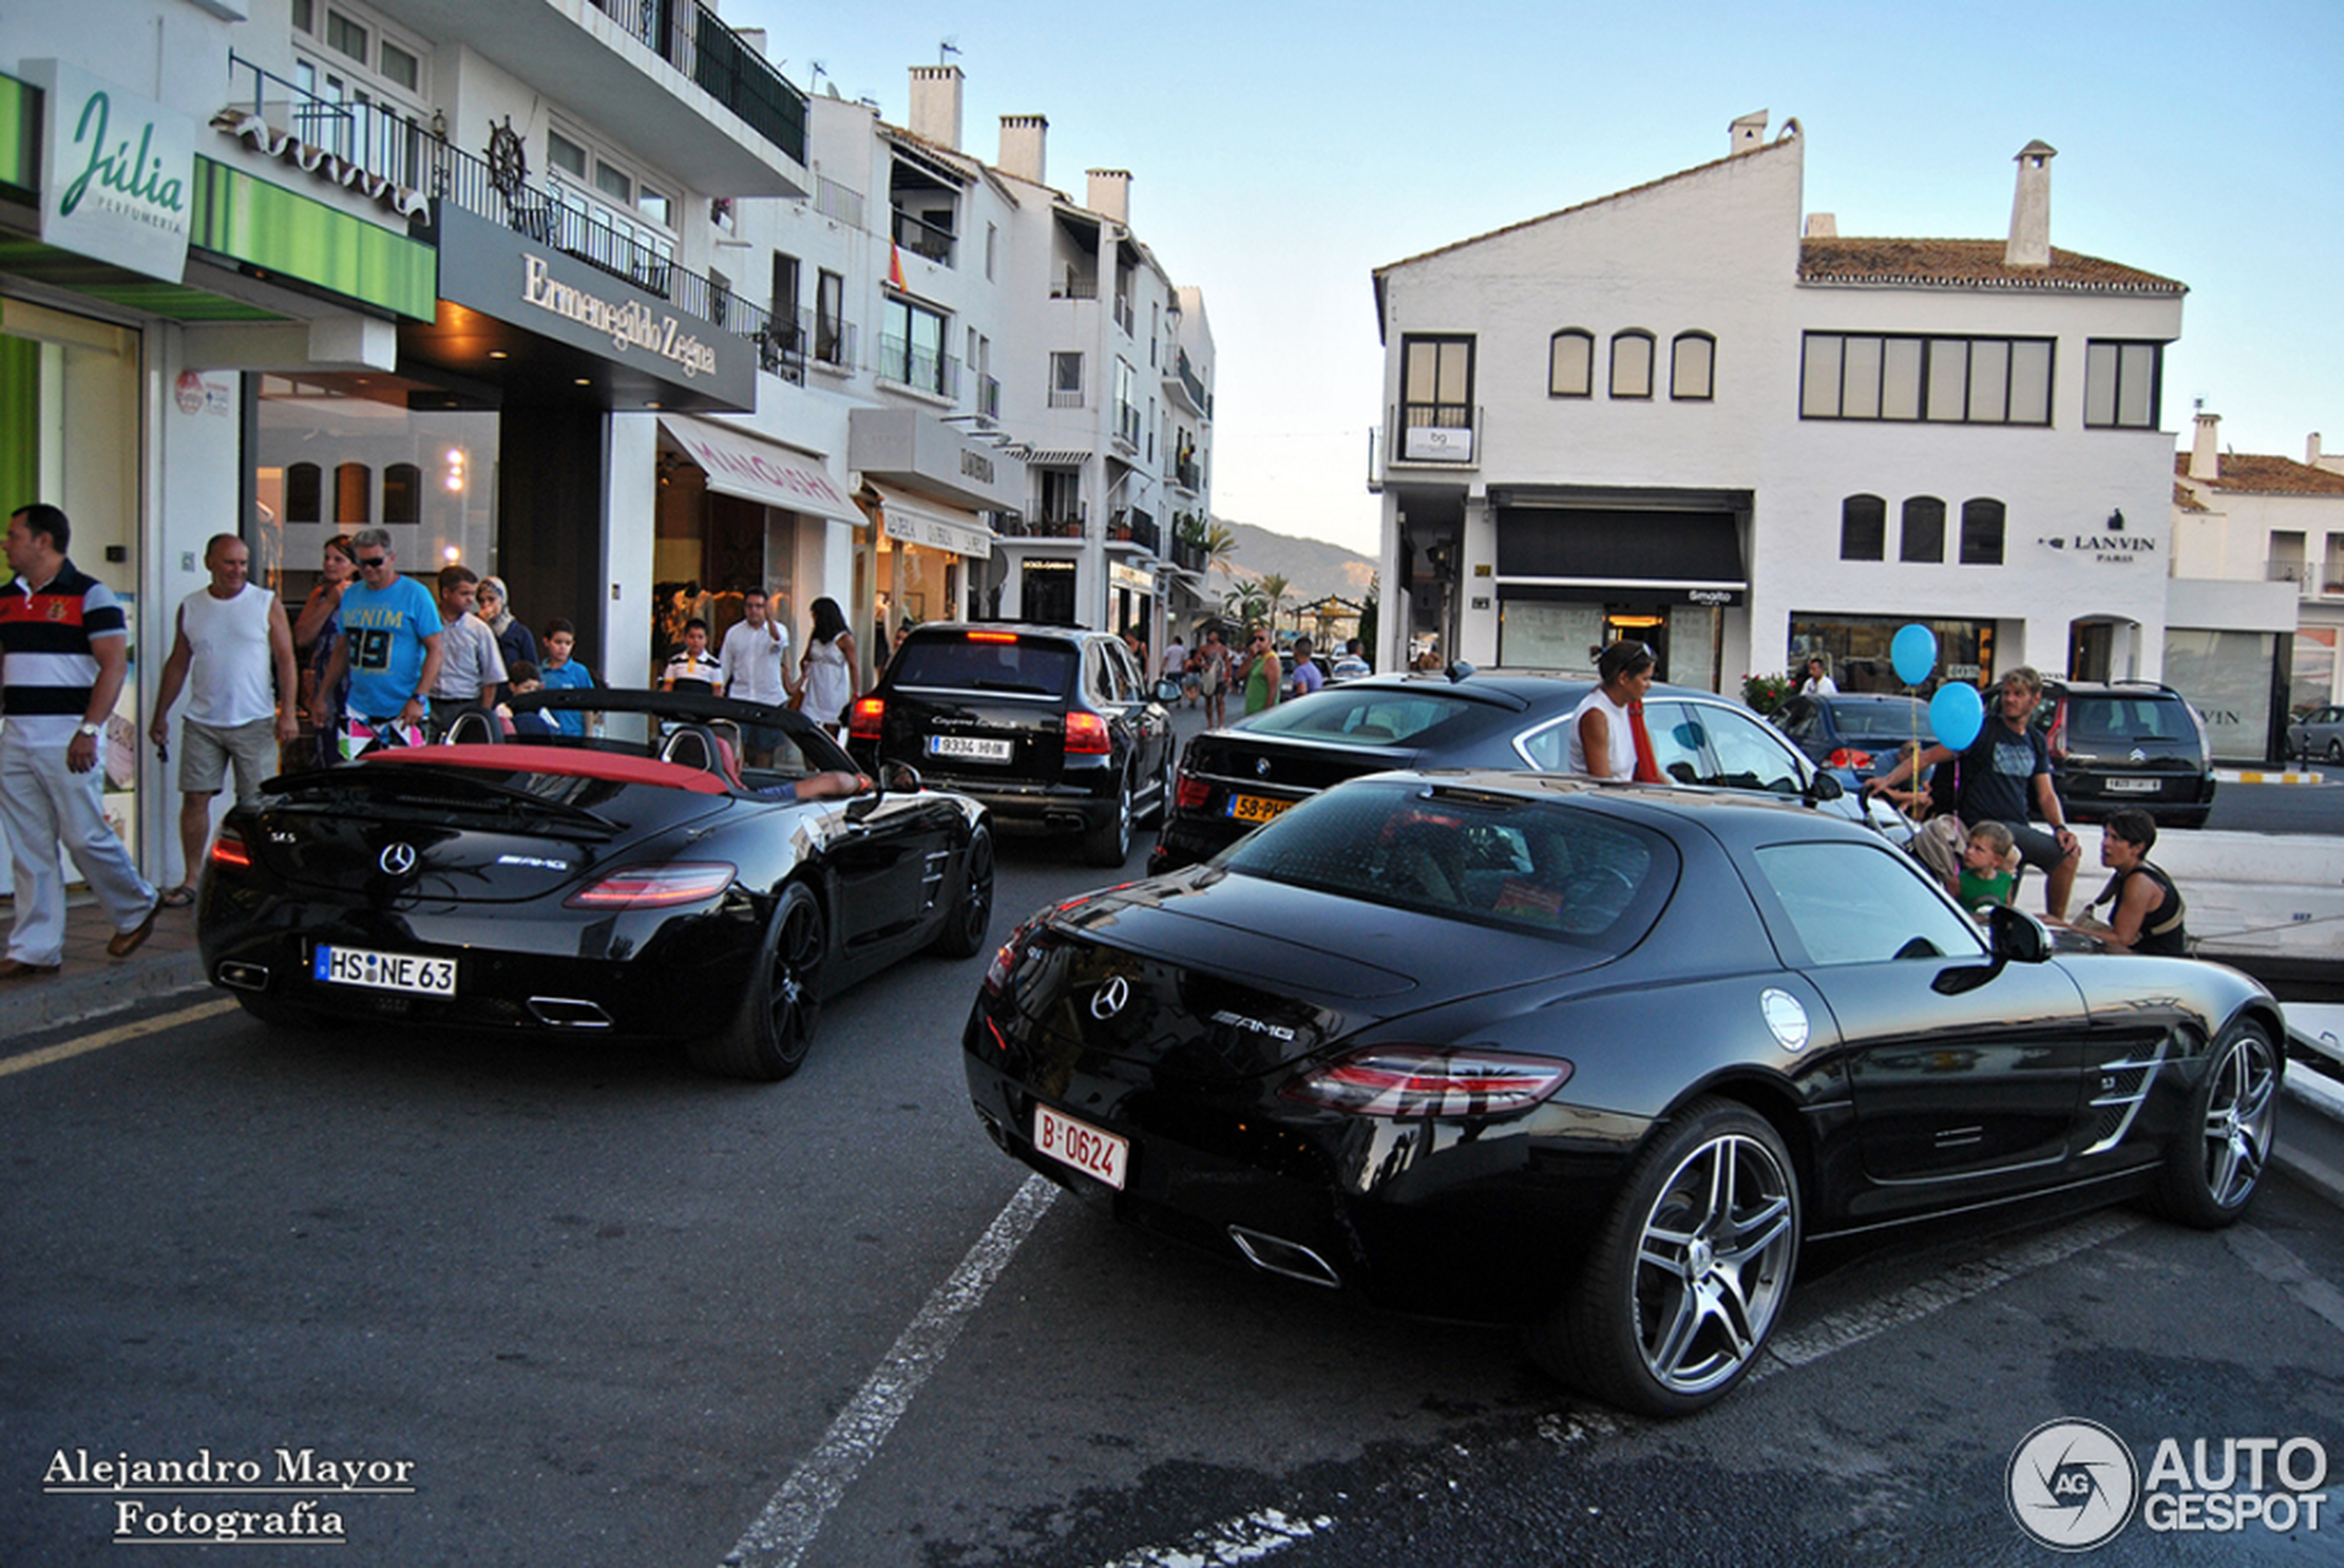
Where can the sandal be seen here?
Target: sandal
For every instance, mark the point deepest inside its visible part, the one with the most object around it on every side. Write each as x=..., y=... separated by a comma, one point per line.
x=179, y=897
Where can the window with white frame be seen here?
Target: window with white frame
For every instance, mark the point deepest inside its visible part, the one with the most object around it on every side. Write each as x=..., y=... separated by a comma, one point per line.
x=912, y=339
x=359, y=89
x=1939, y=380
x=1066, y=379
x=609, y=213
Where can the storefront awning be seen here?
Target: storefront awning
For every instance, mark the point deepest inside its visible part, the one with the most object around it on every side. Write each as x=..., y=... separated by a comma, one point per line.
x=925, y=522
x=740, y=463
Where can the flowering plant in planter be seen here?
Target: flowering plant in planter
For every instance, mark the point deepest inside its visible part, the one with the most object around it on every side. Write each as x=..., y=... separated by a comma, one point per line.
x=1766, y=694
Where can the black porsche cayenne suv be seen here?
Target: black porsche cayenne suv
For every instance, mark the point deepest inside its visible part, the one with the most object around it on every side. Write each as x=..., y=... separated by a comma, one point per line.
x=1052, y=727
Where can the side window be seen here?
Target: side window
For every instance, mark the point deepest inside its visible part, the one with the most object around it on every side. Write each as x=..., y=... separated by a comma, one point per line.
x=1798, y=719
x=1748, y=756
x=1548, y=748
x=1857, y=903
x=1676, y=732
x=1123, y=677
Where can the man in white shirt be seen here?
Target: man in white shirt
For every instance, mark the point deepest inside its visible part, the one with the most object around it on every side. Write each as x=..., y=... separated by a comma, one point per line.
x=753, y=666
x=231, y=637
x=472, y=666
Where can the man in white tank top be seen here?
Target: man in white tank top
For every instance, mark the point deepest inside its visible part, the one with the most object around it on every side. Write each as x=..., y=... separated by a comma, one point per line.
x=232, y=638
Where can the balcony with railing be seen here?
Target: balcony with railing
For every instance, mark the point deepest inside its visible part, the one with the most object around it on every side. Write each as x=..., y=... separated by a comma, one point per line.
x=1186, y=473
x=379, y=139
x=689, y=37
x=921, y=238
x=833, y=346
x=1073, y=284
x=1134, y=528
x=1127, y=425
x=1185, y=385
x=921, y=369
x=1061, y=520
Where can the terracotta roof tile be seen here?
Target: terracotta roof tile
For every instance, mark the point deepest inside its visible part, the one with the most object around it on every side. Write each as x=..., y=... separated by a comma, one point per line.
x=1968, y=264
x=2251, y=473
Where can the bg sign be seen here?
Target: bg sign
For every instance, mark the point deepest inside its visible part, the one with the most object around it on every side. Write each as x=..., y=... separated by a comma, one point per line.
x=116, y=172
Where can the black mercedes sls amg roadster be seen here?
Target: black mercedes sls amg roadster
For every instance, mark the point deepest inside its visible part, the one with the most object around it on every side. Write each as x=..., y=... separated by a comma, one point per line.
x=1598, y=1058
x=643, y=882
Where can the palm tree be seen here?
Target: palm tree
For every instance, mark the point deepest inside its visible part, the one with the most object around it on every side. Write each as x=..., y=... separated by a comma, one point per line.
x=1278, y=591
x=1246, y=604
x=1220, y=543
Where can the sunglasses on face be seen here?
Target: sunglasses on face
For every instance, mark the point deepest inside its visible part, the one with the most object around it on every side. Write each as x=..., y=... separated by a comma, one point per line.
x=371, y=562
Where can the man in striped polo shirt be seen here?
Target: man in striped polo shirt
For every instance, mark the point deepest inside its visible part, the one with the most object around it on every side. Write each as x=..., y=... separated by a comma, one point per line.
x=63, y=653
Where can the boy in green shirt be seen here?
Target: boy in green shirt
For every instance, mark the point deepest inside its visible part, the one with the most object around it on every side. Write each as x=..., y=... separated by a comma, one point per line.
x=1989, y=871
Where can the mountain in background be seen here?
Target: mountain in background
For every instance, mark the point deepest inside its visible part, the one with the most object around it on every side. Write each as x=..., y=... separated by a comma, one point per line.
x=1313, y=567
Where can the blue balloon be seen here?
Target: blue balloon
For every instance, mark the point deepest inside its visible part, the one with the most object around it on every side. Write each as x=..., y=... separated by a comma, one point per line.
x=1913, y=654
x=1956, y=715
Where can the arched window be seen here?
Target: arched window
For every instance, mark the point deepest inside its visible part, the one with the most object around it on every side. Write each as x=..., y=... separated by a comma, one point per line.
x=1981, y=532
x=1692, y=367
x=403, y=493
x=1863, y=529
x=1571, y=363
x=304, y=493
x=1924, y=538
x=353, y=494
x=1631, y=364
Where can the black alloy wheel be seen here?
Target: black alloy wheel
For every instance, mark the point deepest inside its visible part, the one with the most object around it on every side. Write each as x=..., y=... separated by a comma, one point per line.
x=969, y=920
x=2216, y=1164
x=774, y=1029
x=1691, y=1271
x=1111, y=843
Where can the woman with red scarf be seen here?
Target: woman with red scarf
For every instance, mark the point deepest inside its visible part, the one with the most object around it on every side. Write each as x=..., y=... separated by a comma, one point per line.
x=1607, y=739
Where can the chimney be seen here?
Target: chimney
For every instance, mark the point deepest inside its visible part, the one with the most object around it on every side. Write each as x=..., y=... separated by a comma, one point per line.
x=2204, y=452
x=1822, y=226
x=935, y=104
x=2311, y=450
x=1111, y=194
x=1747, y=135
x=1025, y=139
x=2030, y=208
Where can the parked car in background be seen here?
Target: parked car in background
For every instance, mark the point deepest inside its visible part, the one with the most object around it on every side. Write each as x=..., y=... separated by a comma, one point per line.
x=1052, y=727
x=1864, y=735
x=1601, y=1060
x=2129, y=743
x=1233, y=779
x=2318, y=735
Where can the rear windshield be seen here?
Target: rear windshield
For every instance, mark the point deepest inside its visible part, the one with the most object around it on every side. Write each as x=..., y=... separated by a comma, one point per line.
x=1356, y=717
x=967, y=664
x=1884, y=720
x=2127, y=721
x=1487, y=859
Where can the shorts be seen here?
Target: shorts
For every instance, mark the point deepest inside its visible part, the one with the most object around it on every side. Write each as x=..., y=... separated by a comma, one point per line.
x=206, y=751
x=2035, y=847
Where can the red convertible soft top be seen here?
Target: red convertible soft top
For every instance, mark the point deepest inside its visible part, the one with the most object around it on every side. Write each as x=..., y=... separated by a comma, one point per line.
x=617, y=766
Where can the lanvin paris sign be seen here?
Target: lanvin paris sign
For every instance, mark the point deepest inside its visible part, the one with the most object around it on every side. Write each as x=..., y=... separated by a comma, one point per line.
x=116, y=171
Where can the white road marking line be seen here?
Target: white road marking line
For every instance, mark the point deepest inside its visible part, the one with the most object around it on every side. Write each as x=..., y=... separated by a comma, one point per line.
x=1830, y=1335
x=1246, y=1539
x=114, y=1036
x=787, y=1526
x=2260, y=1251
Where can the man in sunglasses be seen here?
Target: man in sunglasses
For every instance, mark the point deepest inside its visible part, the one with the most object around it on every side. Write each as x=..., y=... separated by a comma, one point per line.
x=390, y=646
x=1261, y=672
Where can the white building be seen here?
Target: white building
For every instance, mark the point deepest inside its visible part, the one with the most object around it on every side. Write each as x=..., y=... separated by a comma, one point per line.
x=1690, y=414
x=2258, y=561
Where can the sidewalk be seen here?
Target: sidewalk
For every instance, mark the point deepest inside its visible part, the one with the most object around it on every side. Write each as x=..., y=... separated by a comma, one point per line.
x=92, y=983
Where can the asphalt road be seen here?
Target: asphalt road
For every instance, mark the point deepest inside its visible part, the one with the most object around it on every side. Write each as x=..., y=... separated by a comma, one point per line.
x=2281, y=809
x=572, y=1303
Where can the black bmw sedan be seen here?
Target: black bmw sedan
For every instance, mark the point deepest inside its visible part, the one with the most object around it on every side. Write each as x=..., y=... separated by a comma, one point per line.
x=1600, y=1059
x=1233, y=779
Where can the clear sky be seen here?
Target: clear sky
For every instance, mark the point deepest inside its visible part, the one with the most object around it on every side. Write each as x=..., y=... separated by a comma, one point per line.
x=1280, y=150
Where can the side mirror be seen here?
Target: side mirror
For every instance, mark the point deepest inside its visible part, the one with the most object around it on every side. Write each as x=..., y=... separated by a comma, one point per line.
x=2015, y=935
x=893, y=778
x=1824, y=786
x=1167, y=690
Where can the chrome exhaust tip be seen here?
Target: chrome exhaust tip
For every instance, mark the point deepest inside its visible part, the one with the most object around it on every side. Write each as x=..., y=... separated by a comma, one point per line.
x=566, y=1012
x=243, y=976
x=1273, y=1254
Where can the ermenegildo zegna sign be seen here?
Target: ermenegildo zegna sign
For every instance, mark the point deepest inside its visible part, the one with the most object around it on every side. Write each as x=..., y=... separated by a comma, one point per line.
x=533, y=284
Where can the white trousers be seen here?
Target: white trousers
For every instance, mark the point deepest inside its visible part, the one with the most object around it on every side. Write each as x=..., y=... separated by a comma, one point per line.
x=44, y=805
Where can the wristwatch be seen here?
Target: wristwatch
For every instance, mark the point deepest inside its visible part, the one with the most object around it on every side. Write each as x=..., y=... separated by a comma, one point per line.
x=84, y=727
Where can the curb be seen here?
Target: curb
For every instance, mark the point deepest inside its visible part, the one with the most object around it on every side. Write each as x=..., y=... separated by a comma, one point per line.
x=34, y=1005
x=2258, y=776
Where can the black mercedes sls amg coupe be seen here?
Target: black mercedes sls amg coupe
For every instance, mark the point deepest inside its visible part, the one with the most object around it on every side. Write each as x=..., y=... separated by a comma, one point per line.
x=1596, y=1058
x=648, y=886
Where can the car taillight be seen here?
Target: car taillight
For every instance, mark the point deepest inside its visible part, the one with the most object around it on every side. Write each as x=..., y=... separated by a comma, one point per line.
x=862, y=719
x=1420, y=1081
x=1849, y=757
x=231, y=851
x=1193, y=791
x=1086, y=736
x=2057, y=739
x=655, y=887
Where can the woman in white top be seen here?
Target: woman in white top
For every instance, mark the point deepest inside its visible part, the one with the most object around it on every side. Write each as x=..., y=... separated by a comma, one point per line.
x=1603, y=743
x=827, y=669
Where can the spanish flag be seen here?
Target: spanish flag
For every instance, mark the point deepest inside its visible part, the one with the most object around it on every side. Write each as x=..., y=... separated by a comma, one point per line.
x=895, y=267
